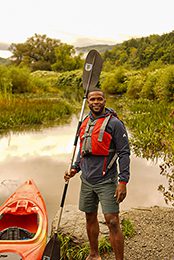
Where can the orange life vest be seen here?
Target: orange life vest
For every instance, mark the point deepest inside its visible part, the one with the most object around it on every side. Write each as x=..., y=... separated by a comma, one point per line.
x=93, y=137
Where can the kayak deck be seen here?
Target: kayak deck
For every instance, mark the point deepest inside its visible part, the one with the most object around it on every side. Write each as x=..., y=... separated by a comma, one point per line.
x=23, y=223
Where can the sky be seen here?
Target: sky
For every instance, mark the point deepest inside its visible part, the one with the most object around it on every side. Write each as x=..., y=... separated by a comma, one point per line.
x=84, y=22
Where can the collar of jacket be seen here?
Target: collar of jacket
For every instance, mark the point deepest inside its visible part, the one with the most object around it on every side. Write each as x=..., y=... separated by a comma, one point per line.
x=107, y=112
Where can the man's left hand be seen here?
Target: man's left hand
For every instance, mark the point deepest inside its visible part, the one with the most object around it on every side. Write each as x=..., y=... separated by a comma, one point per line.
x=120, y=192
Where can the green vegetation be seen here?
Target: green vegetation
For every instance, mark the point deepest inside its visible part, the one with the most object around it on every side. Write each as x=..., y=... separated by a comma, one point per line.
x=152, y=126
x=168, y=171
x=128, y=228
x=152, y=84
x=21, y=114
x=142, y=52
x=115, y=82
x=43, y=53
x=39, y=99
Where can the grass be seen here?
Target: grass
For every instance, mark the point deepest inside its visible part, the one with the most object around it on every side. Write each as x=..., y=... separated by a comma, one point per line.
x=128, y=228
x=151, y=124
x=73, y=250
x=19, y=114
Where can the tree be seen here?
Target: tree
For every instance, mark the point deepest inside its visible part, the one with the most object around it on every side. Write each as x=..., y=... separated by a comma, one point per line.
x=38, y=52
x=139, y=53
x=66, y=59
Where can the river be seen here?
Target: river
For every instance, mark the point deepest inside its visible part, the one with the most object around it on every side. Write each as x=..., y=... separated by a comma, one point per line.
x=44, y=156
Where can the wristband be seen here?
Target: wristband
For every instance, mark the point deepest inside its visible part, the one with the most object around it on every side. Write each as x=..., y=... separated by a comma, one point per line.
x=123, y=182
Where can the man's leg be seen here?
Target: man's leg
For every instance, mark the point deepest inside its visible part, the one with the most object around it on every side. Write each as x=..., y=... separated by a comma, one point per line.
x=92, y=227
x=116, y=235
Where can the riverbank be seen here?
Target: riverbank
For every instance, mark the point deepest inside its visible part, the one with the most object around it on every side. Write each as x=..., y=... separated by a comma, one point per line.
x=154, y=229
x=154, y=238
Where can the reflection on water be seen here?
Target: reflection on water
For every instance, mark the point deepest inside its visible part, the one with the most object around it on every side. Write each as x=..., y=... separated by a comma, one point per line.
x=44, y=156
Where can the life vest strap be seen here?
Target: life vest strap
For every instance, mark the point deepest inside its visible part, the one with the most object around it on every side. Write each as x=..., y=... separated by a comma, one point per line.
x=114, y=158
x=103, y=127
x=87, y=146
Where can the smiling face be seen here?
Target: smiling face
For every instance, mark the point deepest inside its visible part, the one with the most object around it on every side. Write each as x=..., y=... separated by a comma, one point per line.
x=96, y=102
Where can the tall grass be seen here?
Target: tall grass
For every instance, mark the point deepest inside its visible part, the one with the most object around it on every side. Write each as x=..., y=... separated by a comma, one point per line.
x=152, y=126
x=18, y=114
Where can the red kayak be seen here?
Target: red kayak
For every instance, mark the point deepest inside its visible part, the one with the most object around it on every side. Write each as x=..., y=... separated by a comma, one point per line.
x=23, y=224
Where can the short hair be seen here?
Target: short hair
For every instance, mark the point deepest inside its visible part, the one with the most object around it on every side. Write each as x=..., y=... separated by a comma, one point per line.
x=95, y=89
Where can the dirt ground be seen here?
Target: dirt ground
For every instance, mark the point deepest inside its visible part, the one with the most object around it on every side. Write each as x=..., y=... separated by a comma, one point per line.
x=154, y=238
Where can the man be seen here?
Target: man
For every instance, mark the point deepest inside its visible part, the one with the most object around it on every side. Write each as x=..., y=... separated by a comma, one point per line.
x=103, y=138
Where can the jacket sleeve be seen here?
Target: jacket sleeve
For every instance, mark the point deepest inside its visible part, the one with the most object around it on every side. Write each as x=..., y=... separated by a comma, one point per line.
x=76, y=164
x=120, y=139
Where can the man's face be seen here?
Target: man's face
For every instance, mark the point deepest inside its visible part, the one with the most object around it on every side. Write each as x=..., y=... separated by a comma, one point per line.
x=96, y=102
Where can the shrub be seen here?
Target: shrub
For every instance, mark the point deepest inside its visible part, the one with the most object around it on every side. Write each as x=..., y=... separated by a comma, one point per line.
x=5, y=82
x=70, y=84
x=20, y=78
x=115, y=81
x=164, y=89
x=135, y=86
x=149, y=85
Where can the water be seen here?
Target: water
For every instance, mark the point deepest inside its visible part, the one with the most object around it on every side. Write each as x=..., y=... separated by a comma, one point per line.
x=45, y=155
x=5, y=54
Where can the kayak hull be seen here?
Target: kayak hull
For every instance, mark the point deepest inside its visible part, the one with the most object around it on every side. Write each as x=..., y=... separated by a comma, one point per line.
x=23, y=224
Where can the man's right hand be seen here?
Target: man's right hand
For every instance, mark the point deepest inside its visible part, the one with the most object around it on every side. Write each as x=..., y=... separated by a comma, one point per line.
x=70, y=174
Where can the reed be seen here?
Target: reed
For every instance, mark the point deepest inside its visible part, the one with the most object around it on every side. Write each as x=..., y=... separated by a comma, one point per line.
x=19, y=114
x=151, y=125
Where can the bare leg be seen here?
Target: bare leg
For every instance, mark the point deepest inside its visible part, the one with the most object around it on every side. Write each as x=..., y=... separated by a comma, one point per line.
x=92, y=227
x=116, y=236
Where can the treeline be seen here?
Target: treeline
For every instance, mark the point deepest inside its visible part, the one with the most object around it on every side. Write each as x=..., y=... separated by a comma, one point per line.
x=140, y=53
x=141, y=68
x=43, y=53
x=154, y=80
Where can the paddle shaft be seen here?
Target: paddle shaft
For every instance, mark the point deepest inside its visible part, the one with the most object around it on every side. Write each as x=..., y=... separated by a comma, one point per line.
x=75, y=145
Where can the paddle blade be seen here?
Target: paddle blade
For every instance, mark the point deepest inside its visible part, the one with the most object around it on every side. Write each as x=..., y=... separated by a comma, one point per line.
x=52, y=249
x=92, y=69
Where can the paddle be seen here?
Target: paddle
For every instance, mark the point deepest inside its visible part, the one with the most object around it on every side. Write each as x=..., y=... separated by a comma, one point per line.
x=91, y=72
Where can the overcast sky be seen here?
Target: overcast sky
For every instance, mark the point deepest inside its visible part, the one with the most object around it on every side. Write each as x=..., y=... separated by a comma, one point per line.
x=84, y=22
